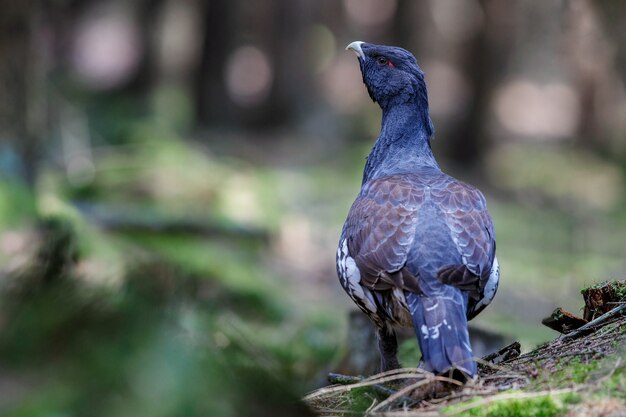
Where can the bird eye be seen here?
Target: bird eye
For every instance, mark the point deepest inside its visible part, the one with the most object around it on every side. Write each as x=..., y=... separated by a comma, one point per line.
x=382, y=60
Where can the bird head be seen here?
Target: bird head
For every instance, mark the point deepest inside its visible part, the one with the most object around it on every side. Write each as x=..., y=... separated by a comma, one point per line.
x=390, y=73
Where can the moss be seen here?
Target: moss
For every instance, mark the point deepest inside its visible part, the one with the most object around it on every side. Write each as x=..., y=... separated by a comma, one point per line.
x=615, y=385
x=619, y=289
x=616, y=286
x=531, y=407
x=360, y=399
x=573, y=371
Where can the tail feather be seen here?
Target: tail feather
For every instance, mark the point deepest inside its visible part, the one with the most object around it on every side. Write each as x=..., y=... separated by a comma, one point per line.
x=441, y=327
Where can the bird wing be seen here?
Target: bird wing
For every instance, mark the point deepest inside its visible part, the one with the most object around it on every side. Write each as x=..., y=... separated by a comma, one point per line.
x=380, y=230
x=472, y=231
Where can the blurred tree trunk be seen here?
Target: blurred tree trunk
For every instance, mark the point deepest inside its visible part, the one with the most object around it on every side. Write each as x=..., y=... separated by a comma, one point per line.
x=404, y=23
x=278, y=29
x=467, y=140
x=21, y=86
x=479, y=56
x=613, y=15
x=211, y=101
x=291, y=87
x=484, y=60
x=602, y=128
x=143, y=80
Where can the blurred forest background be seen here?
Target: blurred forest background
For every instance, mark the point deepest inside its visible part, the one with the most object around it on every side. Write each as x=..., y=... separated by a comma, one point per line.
x=174, y=175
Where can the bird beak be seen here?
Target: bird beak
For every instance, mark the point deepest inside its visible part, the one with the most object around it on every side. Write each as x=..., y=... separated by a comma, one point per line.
x=356, y=47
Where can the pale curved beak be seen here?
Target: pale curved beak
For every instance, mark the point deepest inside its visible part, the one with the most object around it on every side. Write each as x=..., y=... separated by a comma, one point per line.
x=356, y=47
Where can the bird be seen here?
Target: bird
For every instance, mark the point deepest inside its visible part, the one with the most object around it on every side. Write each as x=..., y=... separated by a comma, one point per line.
x=418, y=247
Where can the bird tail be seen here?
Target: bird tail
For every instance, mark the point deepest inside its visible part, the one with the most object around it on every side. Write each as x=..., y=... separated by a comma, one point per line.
x=441, y=327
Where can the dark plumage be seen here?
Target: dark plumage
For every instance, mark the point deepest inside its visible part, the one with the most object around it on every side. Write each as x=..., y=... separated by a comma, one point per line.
x=418, y=246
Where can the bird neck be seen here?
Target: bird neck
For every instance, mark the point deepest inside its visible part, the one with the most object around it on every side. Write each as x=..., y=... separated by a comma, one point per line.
x=403, y=144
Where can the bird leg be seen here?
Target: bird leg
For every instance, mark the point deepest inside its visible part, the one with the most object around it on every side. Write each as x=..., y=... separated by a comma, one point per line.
x=388, y=347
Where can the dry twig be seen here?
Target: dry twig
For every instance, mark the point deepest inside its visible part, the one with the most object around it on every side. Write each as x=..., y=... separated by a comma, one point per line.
x=589, y=327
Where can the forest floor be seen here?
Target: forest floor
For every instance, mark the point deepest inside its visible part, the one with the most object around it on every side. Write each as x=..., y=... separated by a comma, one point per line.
x=582, y=373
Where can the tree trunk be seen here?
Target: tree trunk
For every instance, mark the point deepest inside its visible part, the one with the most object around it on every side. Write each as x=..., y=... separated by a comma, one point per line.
x=22, y=83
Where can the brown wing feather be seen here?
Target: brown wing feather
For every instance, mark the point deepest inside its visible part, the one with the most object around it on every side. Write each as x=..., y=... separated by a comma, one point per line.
x=472, y=231
x=380, y=230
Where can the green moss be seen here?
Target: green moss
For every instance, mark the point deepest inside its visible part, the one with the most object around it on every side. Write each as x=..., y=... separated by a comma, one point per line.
x=572, y=371
x=616, y=385
x=619, y=288
x=360, y=399
x=580, y=372
x=557, y=314
x=569, y=373
x=531, y=407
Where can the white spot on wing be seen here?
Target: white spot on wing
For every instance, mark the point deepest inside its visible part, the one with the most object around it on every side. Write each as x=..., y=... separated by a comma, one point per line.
x=352, y=272
x=492, y=285
x=356, y=290
x=434, y=331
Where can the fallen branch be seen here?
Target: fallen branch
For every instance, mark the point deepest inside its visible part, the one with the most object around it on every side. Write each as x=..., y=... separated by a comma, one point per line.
x=590, y=327
x=393, y=375
x=506, y=353
x=339, y=379
x=401, y=394
x=563, y=321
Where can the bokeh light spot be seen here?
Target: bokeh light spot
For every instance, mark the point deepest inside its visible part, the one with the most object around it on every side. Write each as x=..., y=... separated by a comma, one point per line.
x=528, y=109
x=249, y=76
x=343, y=84
x=448, y=89
x=370, y=12
x=107, y=49
x=457, y=20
